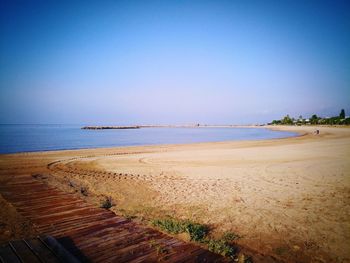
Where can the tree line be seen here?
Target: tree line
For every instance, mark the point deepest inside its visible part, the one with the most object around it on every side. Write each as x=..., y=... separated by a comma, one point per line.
x=341, y=119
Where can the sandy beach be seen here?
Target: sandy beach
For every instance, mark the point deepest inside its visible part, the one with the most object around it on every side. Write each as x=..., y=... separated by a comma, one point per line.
x=289, y=198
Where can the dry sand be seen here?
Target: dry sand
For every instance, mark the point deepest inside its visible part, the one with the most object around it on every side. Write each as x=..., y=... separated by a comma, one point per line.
x=285, y=197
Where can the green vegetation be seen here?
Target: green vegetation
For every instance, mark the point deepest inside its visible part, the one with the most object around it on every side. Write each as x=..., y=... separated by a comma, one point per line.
x=199, y=233
x=84, y=191
x=230, y=236
x=314, y=120
x=196, y=231
x=221, y=247
x=107, y=203
x=342, y=114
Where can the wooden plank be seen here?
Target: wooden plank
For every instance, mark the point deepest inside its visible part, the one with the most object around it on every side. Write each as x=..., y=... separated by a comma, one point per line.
x=97, y=229
x=119, y=241
x=7, y=255
x=107, y=240
x=69, y=220
x=32, y=197
x=48, y=206
x=67, y=224
x=43, y=212
x=101, y=244
x=28, y=193
x=78, y=230
x=67, y=213
x=90, y=233
x=19, y=183
x=127, y=250
x=58, y=250
x=12, y=190
x=25, y=203
x=42, y=251
x=23, y=251
x=51, y=219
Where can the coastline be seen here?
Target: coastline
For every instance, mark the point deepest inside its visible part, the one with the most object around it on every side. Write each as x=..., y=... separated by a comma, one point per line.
x=263, y=188
x=298, y=133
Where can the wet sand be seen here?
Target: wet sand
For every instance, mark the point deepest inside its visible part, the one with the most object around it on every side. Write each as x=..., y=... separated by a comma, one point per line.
x=285, y=197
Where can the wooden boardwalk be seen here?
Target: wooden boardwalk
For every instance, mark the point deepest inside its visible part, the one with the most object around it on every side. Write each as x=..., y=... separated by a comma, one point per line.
x=94, y=234
x=35, y=250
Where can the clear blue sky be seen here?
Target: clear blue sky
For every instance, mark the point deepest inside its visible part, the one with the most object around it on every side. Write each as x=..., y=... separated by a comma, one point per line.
x=172, y=62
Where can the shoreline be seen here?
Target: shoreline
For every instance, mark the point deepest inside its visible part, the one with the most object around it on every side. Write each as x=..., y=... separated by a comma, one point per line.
x=273, y=128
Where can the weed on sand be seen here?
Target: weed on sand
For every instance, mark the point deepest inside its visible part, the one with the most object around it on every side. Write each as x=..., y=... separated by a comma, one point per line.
x=199, y=233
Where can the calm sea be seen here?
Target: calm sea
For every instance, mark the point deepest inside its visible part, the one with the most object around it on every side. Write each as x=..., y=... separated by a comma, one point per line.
x=29, y=138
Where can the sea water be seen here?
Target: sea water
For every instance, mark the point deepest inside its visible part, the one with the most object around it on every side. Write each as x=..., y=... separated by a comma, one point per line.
x=29, y=138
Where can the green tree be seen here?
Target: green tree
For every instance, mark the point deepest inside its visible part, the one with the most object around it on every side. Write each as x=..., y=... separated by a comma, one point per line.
x=314, y=119
x=287, y=120
x=342, y=114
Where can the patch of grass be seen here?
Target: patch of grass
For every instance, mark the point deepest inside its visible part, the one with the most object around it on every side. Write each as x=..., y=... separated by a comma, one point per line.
x=197, y=232
x=107, y=203
x=169, y=225
x=84, y=191
x=221, y=247
x=230, y=236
